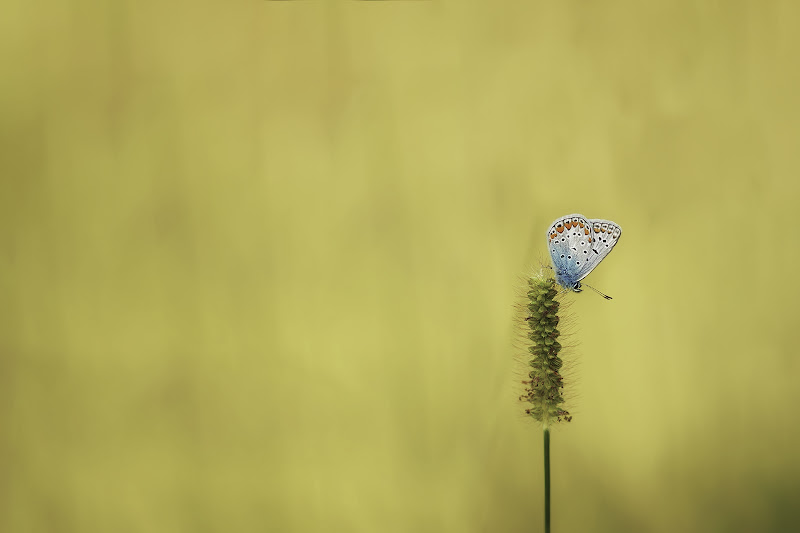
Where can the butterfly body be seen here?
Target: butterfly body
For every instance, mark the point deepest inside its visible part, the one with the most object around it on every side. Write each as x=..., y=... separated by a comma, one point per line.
x=577, y=245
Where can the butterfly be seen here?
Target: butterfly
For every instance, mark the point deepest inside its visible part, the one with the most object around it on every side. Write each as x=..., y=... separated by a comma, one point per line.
x=577, y=245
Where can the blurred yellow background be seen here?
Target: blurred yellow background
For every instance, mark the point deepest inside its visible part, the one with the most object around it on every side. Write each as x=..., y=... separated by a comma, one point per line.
x=258, y=262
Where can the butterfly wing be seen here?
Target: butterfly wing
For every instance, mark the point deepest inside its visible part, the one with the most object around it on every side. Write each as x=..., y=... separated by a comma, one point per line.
x=604, y=235
x=570, y=243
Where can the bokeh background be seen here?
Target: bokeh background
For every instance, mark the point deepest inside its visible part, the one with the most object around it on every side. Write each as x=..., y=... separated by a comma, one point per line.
x=258, y=262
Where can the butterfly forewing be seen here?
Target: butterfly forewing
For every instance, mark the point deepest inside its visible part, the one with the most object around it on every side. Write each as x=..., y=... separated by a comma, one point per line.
x=605, y=235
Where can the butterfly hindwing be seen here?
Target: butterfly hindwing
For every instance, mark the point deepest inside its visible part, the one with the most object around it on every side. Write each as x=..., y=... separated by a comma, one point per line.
x=569, y=243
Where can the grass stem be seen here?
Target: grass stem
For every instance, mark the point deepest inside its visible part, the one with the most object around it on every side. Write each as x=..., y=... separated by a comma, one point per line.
x=546, y=480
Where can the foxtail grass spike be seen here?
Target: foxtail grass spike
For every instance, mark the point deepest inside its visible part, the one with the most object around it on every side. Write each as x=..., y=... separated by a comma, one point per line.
x=544, y=389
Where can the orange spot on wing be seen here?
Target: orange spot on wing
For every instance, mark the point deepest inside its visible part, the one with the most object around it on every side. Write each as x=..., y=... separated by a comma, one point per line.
x=597, y=230
x=568, y=224
x=581, y=223
x=560, y=228
x=603, y=230
x=586, y=231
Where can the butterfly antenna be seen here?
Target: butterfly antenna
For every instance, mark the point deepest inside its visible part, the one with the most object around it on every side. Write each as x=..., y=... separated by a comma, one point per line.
x=606, y=296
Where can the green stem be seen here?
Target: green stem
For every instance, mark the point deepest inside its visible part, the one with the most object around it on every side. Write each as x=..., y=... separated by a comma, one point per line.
x=546, y=480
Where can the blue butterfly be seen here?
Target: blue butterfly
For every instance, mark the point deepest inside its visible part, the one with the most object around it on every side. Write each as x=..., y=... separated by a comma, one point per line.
x=577, y=245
